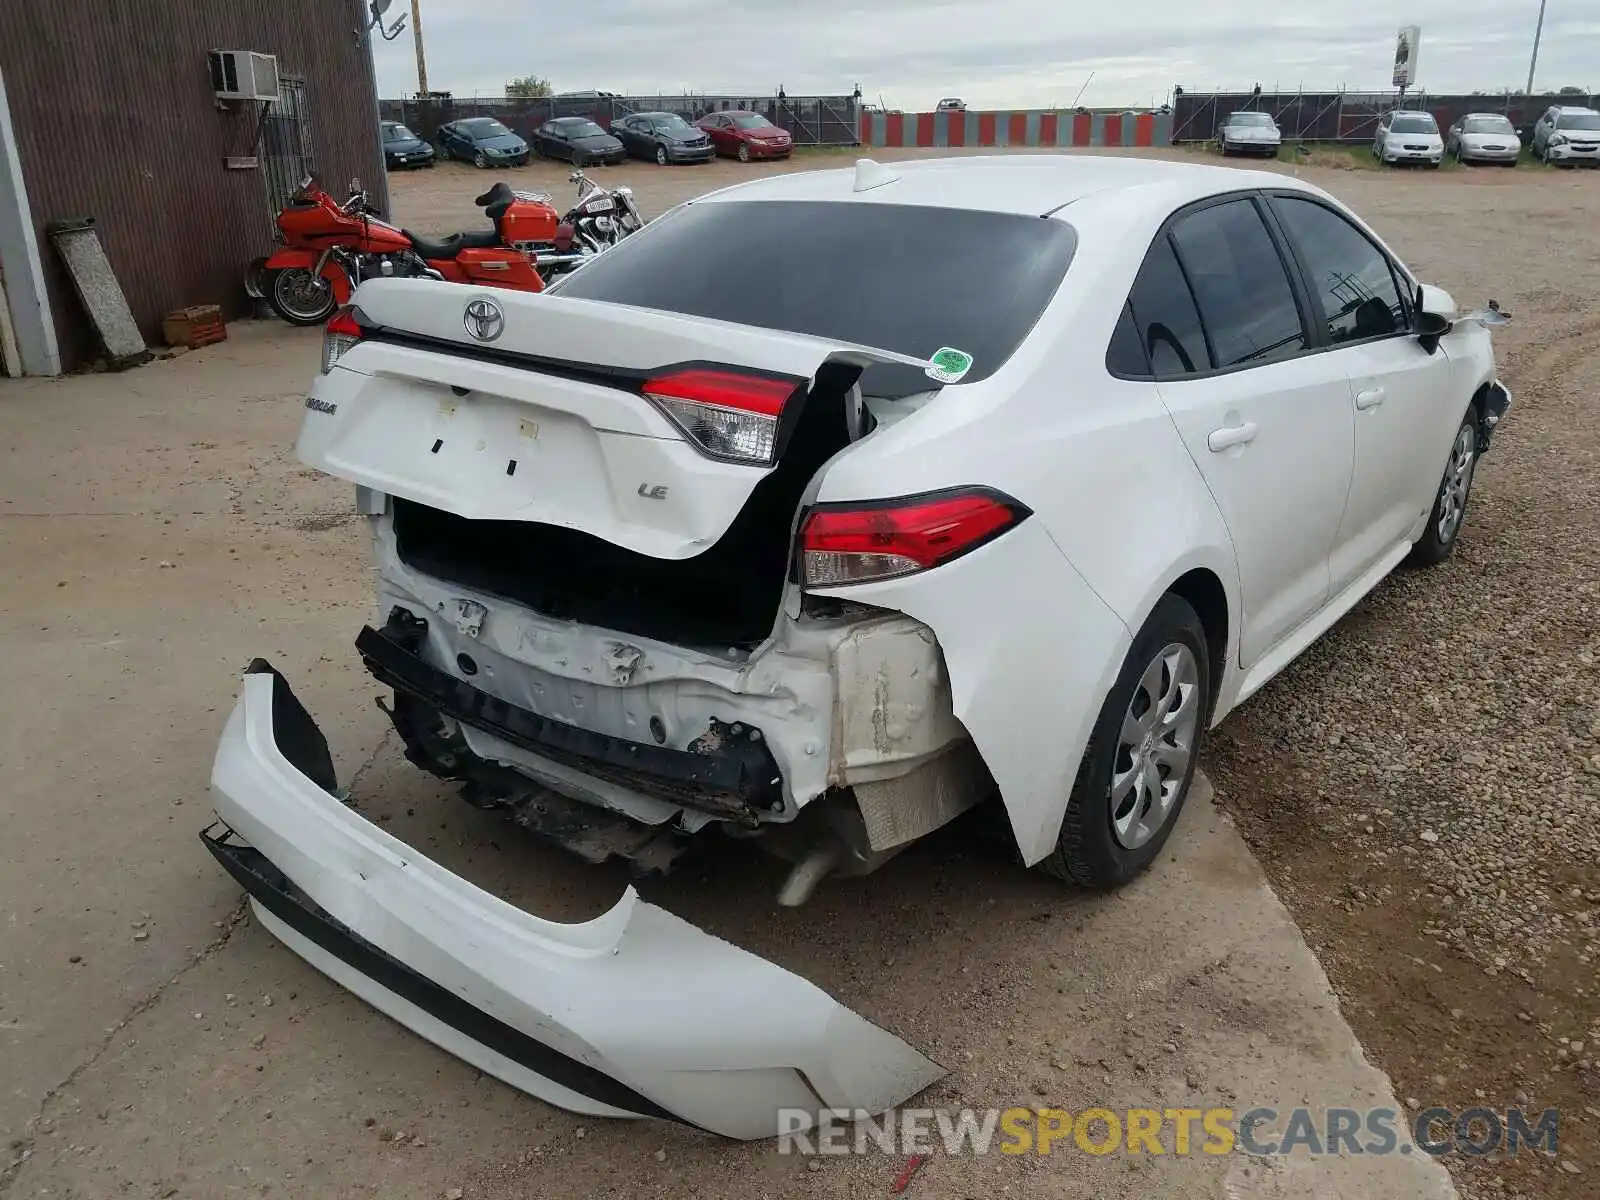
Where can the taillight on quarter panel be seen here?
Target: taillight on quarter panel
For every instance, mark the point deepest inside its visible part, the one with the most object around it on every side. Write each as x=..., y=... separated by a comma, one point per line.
x=341, y=332
x=884, y=539
x=726, y=414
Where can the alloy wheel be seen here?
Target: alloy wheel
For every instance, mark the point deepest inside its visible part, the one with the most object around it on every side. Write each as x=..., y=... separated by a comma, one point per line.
x=661, y=156
x=302, y=297
x=1457, y=483
x=1155, y=746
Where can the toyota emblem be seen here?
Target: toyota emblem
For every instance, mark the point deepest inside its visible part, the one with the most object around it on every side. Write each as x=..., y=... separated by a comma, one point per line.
x=484, y=320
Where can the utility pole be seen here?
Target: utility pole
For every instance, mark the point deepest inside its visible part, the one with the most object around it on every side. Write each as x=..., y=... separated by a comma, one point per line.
x=416, y=36
x=1538, y=32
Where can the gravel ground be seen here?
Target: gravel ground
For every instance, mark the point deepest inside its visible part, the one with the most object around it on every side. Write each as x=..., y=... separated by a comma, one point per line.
x=1424, y=784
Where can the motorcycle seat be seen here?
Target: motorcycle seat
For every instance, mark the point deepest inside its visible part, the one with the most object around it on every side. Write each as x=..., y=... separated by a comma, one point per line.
x=500, y=193
x=453, y=244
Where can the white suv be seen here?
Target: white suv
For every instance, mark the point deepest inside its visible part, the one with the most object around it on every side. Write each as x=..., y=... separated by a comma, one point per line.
x=1568, y=136
x=1408, y=136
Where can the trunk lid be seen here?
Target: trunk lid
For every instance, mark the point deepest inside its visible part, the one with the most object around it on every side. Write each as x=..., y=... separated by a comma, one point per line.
x=543, y=417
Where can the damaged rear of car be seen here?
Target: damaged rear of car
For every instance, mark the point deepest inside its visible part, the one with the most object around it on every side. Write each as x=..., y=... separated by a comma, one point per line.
x=610, y=601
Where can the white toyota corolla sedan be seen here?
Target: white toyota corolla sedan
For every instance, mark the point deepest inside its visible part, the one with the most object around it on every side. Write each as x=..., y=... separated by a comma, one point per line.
x=823, y=509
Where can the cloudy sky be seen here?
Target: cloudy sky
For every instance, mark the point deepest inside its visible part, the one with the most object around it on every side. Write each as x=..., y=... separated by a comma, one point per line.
x=995, y=54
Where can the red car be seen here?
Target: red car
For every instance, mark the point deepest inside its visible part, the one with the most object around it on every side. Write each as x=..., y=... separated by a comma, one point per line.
x=745, y=135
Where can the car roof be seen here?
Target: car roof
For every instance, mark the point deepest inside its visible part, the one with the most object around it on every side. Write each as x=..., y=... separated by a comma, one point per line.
x=654, y=113
x=1475, y=116
x=1024, y=184
x=1567, y=110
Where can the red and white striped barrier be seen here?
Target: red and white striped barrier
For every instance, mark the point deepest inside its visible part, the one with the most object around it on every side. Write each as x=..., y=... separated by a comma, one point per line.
x=1011, y=128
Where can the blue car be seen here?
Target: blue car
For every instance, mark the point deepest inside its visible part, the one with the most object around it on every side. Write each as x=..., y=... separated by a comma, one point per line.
x=483, y=142
x=402, y=148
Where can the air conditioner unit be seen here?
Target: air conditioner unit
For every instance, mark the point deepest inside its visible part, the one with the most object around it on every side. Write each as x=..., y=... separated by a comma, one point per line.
x=244, y=75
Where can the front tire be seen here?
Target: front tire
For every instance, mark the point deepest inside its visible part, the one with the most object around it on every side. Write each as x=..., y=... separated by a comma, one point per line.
x=300, y=297
x=1449, y=512
x=744, y=152
x=1140, y=761
x=481, y=161
x=661, y=156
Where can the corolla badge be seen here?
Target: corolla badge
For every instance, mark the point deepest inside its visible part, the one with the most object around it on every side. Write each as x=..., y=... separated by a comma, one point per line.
x=484, y=320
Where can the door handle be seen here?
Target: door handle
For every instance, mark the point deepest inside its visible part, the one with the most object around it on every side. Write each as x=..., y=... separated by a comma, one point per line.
x=1370, y=398
x=1231, y=435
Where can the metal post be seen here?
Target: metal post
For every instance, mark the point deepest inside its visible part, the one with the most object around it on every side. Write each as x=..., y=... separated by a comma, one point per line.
x=382, y=189
x=1533, y=61
x=416, y=36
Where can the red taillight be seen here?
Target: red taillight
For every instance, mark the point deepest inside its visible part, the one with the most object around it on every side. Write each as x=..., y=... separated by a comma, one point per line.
x=727, y=414
x=341, y=332
x=857, y=543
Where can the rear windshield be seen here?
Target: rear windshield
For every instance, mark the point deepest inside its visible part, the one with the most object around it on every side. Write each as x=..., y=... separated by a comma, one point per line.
x=1415, y=123
x=1578, y=121
x=897, y=277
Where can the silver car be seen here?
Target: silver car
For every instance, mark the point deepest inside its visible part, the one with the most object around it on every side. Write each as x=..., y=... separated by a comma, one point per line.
x=1250, y=133
x=1484, y=137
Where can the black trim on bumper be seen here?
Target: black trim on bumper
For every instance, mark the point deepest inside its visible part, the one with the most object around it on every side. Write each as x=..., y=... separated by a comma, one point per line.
x=1496, y=401
x=732, y=774
x=277, y=893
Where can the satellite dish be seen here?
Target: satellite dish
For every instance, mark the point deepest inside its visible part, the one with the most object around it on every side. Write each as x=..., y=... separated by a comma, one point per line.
x=379, y=7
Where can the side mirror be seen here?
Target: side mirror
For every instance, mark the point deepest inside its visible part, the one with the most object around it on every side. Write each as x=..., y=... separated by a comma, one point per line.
x=1436, y=315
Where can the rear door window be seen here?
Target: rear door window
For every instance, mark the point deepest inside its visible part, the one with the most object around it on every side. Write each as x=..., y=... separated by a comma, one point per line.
x=1159, y=334
x=906, y=278
x=1240, y=285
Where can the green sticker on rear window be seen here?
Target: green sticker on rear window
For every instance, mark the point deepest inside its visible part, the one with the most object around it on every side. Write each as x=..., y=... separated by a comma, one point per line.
x=948, y=365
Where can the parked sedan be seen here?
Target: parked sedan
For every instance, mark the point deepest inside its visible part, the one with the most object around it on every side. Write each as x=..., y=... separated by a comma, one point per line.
x=745, y=135
x=1484, y=137
x=663, y=137
x=402, y=148
x=1250, y=133
x=577, y=140
x=1408, y=137
x=483, y=142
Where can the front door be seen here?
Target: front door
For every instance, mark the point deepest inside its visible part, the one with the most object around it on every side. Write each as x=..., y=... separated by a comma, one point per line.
x=1399, y=392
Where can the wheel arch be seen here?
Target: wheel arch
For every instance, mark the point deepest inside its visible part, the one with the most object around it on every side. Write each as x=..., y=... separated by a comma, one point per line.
x=1202, y=589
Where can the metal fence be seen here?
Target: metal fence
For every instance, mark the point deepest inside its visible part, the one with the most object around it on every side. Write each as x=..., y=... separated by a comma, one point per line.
x=1347, y=116
x=810, y=120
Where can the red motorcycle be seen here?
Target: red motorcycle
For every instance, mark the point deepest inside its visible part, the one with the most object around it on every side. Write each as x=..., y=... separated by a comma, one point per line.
x=330, y=247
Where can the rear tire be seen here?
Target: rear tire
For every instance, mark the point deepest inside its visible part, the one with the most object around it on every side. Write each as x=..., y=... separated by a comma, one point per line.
x=1449, y=512
x=1147, y=738
x=296, y=297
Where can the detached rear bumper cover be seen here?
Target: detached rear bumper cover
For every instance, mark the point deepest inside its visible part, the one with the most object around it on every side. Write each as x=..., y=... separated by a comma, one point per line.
x=634, y=1013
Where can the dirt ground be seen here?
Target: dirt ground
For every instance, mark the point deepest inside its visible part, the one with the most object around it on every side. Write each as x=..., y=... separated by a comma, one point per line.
x=1421, y=789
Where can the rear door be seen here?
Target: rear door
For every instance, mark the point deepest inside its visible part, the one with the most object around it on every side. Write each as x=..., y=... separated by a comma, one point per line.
x=1400, y=395
x=1266, y=421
